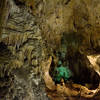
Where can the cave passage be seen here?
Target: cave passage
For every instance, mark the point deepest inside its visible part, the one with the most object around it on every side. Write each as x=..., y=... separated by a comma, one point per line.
x=78, y=64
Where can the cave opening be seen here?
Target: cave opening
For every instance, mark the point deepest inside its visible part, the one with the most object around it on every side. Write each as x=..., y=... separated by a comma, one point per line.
x=6, y=78
x=5, y=60
x=78, y=63
x=5, y=53
x=18, y=2
x=3, y=47
x=82, y=74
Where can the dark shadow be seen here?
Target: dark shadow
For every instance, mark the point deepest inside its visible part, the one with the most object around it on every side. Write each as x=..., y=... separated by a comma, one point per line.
x=19, y=3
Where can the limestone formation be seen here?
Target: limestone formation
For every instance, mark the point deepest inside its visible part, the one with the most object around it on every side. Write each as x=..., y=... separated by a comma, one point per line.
x=33, y=31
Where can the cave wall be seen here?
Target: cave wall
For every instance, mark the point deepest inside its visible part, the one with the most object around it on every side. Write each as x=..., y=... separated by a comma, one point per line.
x=78, y=17
x=21, y=36
x=4, y=10
x=72, y=27
x=36, y=28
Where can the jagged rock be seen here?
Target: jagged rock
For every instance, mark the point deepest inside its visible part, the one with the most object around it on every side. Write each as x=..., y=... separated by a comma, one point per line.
x=22, y=38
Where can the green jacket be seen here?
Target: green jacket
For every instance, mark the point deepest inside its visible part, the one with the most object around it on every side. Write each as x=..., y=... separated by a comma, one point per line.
x=62, y=72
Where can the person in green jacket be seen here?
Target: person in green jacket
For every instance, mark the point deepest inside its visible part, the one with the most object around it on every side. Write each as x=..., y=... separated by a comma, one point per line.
x=62, y=72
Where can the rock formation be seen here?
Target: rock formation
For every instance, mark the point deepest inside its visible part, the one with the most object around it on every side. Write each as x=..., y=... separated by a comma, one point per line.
x=32, y=31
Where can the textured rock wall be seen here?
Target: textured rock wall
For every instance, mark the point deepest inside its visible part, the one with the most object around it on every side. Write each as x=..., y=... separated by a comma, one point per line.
x=36, y=28
x=22, y=38
x=77, y=17
x=4, y=9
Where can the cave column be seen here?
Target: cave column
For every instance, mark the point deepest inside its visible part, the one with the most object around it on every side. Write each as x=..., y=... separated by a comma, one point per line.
x=4, y=9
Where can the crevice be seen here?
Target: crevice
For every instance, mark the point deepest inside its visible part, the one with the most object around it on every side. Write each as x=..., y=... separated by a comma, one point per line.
x=10, y=29
x=19, y=3
x=67, y=2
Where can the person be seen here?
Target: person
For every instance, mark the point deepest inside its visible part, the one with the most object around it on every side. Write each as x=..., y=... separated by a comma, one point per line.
x=62, y=72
